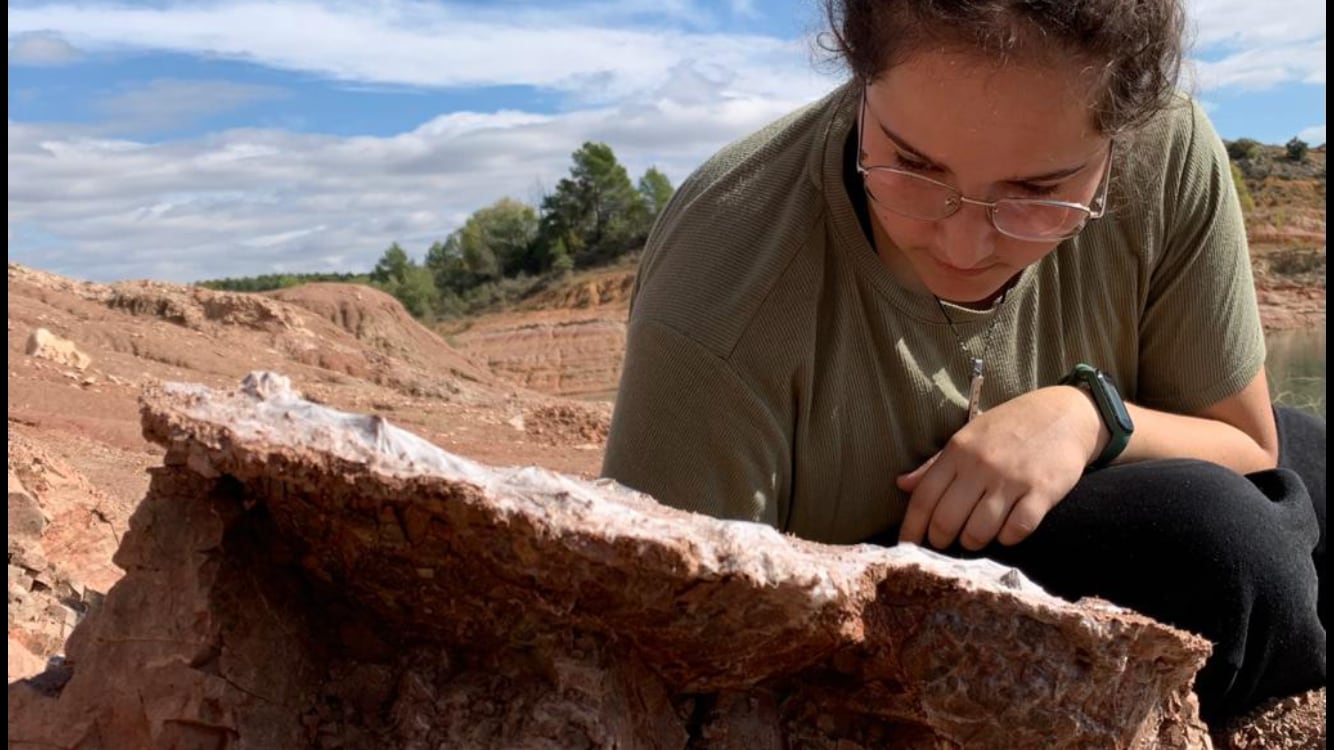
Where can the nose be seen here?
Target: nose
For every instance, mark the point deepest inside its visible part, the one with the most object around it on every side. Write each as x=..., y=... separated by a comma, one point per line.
x=966, y=239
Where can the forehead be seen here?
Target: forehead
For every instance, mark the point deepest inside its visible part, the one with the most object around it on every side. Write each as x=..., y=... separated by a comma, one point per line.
x=956, y=108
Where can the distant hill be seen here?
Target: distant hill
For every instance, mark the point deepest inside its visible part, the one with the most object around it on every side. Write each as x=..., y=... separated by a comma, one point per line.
x=1285, y=223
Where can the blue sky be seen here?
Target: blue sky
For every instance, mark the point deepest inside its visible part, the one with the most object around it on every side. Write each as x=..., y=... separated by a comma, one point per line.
x=190, y=139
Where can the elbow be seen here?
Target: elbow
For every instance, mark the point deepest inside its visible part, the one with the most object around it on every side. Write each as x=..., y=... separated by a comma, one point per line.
x=1257, y=452
x=1269, y=448
x=1265, y=435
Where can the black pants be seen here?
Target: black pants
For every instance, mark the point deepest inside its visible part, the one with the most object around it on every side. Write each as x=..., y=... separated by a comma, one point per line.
x=1239, y=560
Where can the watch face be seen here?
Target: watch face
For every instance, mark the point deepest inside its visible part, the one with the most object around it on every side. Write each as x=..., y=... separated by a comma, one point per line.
x=1116, y=405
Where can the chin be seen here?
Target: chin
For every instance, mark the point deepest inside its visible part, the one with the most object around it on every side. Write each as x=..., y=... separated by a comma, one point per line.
x=979, y=289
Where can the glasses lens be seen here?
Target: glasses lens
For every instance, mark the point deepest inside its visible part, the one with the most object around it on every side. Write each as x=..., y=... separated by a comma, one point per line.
x=910, y=195
x=1034, y=220
x=917, y=197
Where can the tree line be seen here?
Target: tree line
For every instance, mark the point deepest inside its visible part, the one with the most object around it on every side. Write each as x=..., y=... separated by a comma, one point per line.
x=265, y=282
x=591, y=218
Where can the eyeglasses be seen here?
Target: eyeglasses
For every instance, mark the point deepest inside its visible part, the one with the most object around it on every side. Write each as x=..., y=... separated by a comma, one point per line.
x=1032, y=219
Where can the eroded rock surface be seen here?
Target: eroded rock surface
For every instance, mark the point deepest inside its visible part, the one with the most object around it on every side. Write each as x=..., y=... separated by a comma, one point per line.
x=61, y=538
x=568, y=340
x=46, y=345
x=1293, y=723
x=565, y=353
x=302, y=577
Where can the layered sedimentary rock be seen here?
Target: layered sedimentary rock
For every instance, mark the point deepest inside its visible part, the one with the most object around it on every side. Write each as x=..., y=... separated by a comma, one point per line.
x=302, y=577
x=562, y=353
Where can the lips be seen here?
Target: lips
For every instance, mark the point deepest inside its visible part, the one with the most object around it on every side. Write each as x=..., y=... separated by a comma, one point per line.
x=967, y=273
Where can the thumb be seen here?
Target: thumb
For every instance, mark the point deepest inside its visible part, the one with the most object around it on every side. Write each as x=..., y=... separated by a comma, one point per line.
x=908, y=482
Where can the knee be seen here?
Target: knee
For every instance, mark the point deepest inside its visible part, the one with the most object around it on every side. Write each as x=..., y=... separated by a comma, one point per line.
x=1255, y=532
x=1250, y=563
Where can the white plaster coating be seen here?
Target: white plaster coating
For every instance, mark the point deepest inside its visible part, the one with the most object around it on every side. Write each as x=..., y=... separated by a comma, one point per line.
x=275, y=413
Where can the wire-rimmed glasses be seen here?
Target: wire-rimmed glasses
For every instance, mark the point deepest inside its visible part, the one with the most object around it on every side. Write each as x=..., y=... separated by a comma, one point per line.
x=1032, y=219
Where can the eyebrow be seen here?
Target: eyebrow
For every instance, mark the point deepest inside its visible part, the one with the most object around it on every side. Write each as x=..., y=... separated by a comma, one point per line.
x=1055, y=174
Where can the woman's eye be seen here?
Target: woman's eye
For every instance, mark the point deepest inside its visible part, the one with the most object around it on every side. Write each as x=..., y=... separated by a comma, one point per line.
x=910, y=164
x=1039, y=190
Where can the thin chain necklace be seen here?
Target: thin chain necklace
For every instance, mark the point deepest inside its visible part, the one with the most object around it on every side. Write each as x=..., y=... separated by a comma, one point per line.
x=974, y=382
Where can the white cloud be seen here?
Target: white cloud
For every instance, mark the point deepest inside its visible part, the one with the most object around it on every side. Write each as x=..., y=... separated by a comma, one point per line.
x=168, y=102
x=1247, y=23
x=282, y=238
x=1248, y=45
x=244, y=202
x=412, y=43
x=1314, y=135
x=745, y=8
x=250, y=201
x=41, y=49
x=597, y=50
x=1264, y=67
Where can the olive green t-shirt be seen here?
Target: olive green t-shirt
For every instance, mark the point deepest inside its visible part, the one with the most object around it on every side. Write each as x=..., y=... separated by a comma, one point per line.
x=775, y=370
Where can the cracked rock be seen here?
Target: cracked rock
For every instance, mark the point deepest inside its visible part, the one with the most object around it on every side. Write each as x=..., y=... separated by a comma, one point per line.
x=274, y=596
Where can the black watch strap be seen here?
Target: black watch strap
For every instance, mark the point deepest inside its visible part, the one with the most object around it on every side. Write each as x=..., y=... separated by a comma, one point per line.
x=1111, y=408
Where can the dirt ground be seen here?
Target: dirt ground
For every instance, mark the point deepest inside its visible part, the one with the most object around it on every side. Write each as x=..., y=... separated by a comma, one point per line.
x=78, y=464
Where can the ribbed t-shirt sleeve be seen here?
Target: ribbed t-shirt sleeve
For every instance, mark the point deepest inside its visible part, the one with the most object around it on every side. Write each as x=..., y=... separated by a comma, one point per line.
x=1200, y=335
x=688, y=431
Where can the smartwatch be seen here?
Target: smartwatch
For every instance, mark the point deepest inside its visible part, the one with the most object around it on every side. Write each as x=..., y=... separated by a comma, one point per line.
x=1111, y=408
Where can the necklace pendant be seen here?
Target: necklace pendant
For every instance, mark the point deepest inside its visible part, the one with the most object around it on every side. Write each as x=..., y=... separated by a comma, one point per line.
x=975, y=390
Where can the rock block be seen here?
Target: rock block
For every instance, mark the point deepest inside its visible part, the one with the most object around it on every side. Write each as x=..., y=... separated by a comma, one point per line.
x=303, y=577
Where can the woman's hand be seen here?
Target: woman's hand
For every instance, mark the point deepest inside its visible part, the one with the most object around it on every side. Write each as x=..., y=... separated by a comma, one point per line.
x=998, y=476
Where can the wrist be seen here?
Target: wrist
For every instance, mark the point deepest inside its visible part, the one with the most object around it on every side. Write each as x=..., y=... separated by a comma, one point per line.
x=1117, y=426
x=1091, y=426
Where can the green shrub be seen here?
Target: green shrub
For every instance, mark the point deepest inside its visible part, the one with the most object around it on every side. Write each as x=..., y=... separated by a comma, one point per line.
x=1243, y=148
x=1297, y=150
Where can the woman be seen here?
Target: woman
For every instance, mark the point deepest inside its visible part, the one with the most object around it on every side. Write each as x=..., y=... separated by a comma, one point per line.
x=898, y=314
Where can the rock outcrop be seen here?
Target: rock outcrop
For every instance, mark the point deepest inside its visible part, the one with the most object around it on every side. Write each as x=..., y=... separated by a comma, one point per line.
x=302, y=577
x=566, y=340
x=60, y=547
x=568, y=353
x=46, y=345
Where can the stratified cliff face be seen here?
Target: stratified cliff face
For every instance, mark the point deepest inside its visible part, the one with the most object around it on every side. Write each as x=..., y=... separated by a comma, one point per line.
x=302, y=577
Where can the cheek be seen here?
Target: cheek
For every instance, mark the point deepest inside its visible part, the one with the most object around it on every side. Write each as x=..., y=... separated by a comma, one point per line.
x=1020, y=254
x=905, y=232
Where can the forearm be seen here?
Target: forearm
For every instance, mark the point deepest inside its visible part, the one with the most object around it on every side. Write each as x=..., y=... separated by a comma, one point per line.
x=1160, y=434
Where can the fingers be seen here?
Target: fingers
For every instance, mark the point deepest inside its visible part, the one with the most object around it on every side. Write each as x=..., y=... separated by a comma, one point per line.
x=986, y=521
x=994, y=481
x=908, y=482
x=1025, y=517
x=929, y=482
x=956, y=504
x=939, y=506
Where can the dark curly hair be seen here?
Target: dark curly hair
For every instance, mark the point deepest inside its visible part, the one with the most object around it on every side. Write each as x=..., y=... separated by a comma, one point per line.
x=1135, y=45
